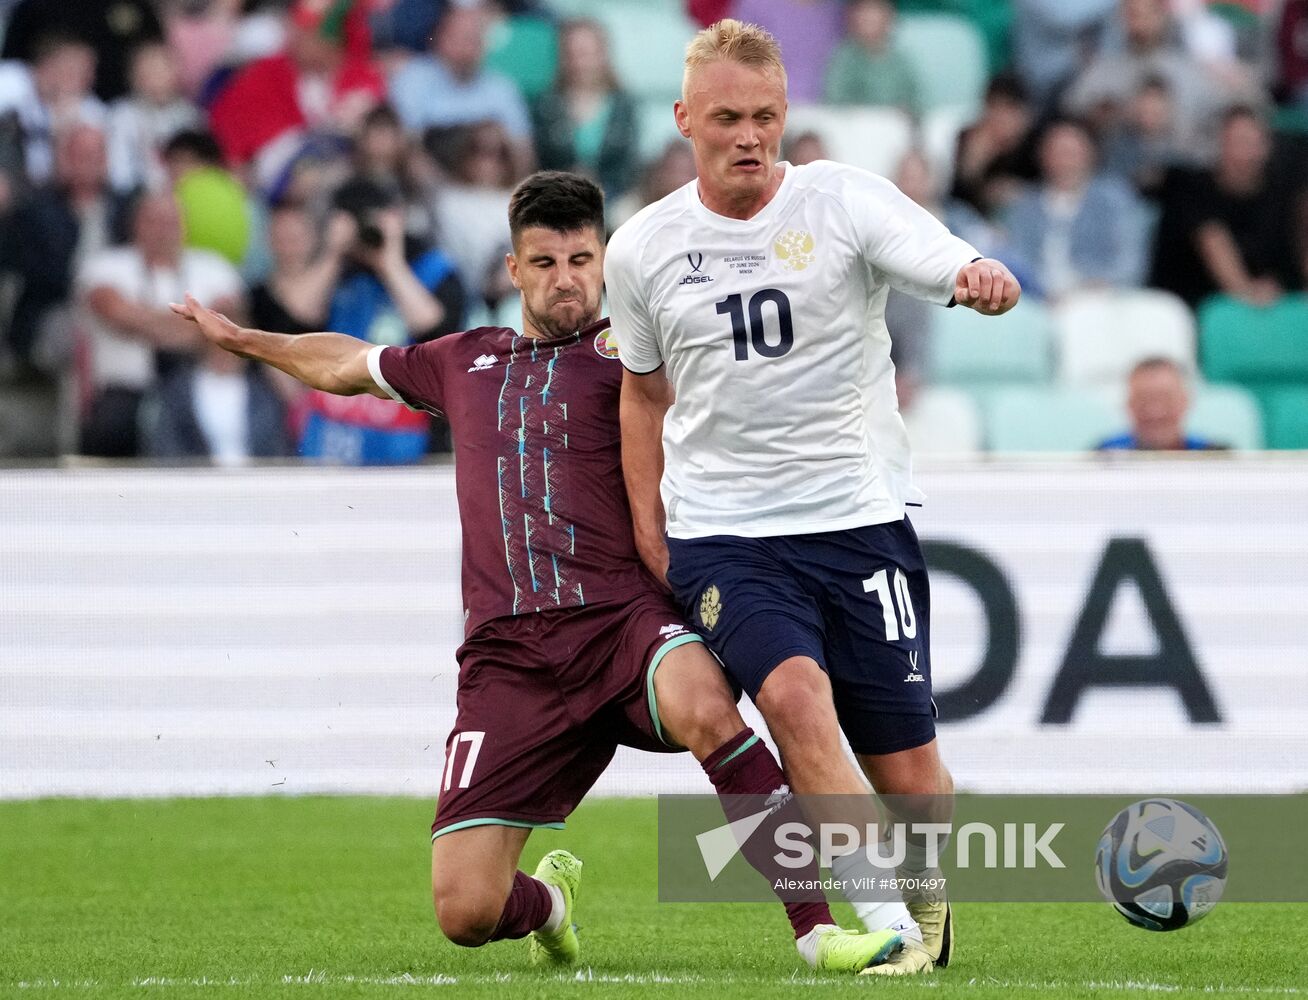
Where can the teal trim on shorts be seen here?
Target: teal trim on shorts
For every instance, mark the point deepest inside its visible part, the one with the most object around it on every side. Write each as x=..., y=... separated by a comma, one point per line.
x=492, y=821
x=737, y=752
x=664, y=650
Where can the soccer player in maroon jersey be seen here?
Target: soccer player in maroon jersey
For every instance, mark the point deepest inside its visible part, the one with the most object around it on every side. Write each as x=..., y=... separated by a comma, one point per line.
x=571, y=647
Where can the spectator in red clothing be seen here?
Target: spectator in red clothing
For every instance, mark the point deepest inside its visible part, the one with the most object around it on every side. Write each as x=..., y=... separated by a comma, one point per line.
x=706, y=12
x=325, y=82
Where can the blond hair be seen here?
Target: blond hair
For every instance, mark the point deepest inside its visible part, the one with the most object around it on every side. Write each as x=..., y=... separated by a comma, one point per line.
x=730, y=40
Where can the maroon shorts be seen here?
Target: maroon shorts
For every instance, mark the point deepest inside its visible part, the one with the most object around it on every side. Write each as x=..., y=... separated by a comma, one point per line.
x=544, y=701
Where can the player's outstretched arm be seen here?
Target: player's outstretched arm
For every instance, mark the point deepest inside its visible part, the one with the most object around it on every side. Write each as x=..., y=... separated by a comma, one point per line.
x=332, y=362
x=987, y=286
x=645, y=401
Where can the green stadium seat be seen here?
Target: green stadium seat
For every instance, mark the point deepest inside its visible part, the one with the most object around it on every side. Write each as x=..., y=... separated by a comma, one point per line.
x=526, y=50
x=1226, y=414
x=1042, y=418
x=1286, y=409
x=1290, y=120
x=950, y=57
x=966, y=348
x=1254, y=345
x=993, y=18
x=595, y=8
x=1101, y=335
x=657, y=128
x=647, y=47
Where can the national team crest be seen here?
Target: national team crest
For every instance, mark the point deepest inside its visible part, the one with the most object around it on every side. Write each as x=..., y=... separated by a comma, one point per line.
x=710, y=607
x=795, y=249
x=606, y=345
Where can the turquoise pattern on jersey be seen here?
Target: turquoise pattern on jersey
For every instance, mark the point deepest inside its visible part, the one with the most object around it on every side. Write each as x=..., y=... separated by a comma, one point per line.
x=534, y=533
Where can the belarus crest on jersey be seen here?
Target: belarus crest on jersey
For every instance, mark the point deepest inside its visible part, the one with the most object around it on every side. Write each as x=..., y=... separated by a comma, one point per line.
x=606, y=345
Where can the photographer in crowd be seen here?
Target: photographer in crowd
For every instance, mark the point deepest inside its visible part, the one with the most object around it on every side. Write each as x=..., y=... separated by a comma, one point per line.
x=396, y=291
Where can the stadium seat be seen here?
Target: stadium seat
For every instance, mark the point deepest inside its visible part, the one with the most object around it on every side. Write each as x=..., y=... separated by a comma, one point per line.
x=967, y=348
x=1254, y=345
x=657, y=127
x=525, y=49
x=1041, y=418
x=939, y=140
x=950, y=55
x=648, y=47
x=1226, y=414
x=993, y=18
x=1102, y=334
x=1290, y=121
x=943, y=420
x=594, y=8
x=1287, y=417
x=875, y=139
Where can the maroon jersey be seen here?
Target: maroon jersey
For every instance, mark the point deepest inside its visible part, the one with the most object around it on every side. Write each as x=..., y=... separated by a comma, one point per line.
x=538, y=465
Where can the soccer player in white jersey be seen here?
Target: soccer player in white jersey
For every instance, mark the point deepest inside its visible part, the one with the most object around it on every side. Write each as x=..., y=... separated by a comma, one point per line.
x=749, y=308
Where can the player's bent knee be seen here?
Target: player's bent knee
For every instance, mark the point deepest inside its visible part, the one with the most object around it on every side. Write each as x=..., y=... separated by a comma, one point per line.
x=710, y=719
x=467, y=919
x=695, y=703
x=798, y=695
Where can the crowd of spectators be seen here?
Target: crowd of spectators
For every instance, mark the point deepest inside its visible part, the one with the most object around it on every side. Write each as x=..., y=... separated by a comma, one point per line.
x=347, y=164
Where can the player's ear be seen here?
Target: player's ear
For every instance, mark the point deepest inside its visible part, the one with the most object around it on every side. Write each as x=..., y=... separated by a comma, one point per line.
x=511, y=264
x=682, y=115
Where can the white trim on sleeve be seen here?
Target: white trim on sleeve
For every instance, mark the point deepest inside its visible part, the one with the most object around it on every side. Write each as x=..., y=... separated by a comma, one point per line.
x=374, y=369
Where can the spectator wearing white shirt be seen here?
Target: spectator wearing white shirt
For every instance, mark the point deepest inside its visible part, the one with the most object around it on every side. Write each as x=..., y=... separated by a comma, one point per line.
x=220, y=409
x=50, y=96
x=130, y=333
x=141, y=123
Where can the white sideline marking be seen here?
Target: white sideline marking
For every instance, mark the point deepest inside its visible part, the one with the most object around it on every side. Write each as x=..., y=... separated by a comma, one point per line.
x=320, y=977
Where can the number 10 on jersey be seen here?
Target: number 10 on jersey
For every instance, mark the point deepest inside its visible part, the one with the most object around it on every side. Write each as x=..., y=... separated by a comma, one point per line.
x=755, y=332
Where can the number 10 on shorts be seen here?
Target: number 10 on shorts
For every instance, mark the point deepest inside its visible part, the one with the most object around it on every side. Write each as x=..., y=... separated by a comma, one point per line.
x=473, y=741
x=880, y=583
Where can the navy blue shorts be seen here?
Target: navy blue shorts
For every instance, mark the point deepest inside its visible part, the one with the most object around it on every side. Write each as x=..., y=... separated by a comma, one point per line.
x=856, y=601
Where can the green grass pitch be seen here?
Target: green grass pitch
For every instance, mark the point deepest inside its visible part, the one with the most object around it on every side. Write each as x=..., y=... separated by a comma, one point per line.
x=328, y=897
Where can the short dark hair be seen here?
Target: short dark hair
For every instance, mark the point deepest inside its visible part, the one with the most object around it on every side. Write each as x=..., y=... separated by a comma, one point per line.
x=1082, y=125
x=1236, y=112
x=200, y=144
x=1007, y=87
x=557, y=200
x=384, y=115
x=51, y=42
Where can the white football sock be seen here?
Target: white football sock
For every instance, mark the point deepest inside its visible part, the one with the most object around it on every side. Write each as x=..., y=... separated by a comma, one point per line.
x=554, y=923
x=856, y=873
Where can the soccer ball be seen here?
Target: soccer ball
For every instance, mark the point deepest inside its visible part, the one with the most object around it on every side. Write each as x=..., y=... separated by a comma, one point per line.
x=1161, y=863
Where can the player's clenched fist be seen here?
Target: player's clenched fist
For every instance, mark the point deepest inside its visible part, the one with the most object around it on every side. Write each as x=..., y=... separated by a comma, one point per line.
x=987, y=286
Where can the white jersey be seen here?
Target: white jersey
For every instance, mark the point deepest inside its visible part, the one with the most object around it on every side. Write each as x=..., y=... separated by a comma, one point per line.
x=774, y=336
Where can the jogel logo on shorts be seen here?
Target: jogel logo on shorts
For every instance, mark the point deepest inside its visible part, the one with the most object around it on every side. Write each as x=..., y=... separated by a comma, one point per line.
x=710, y=606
